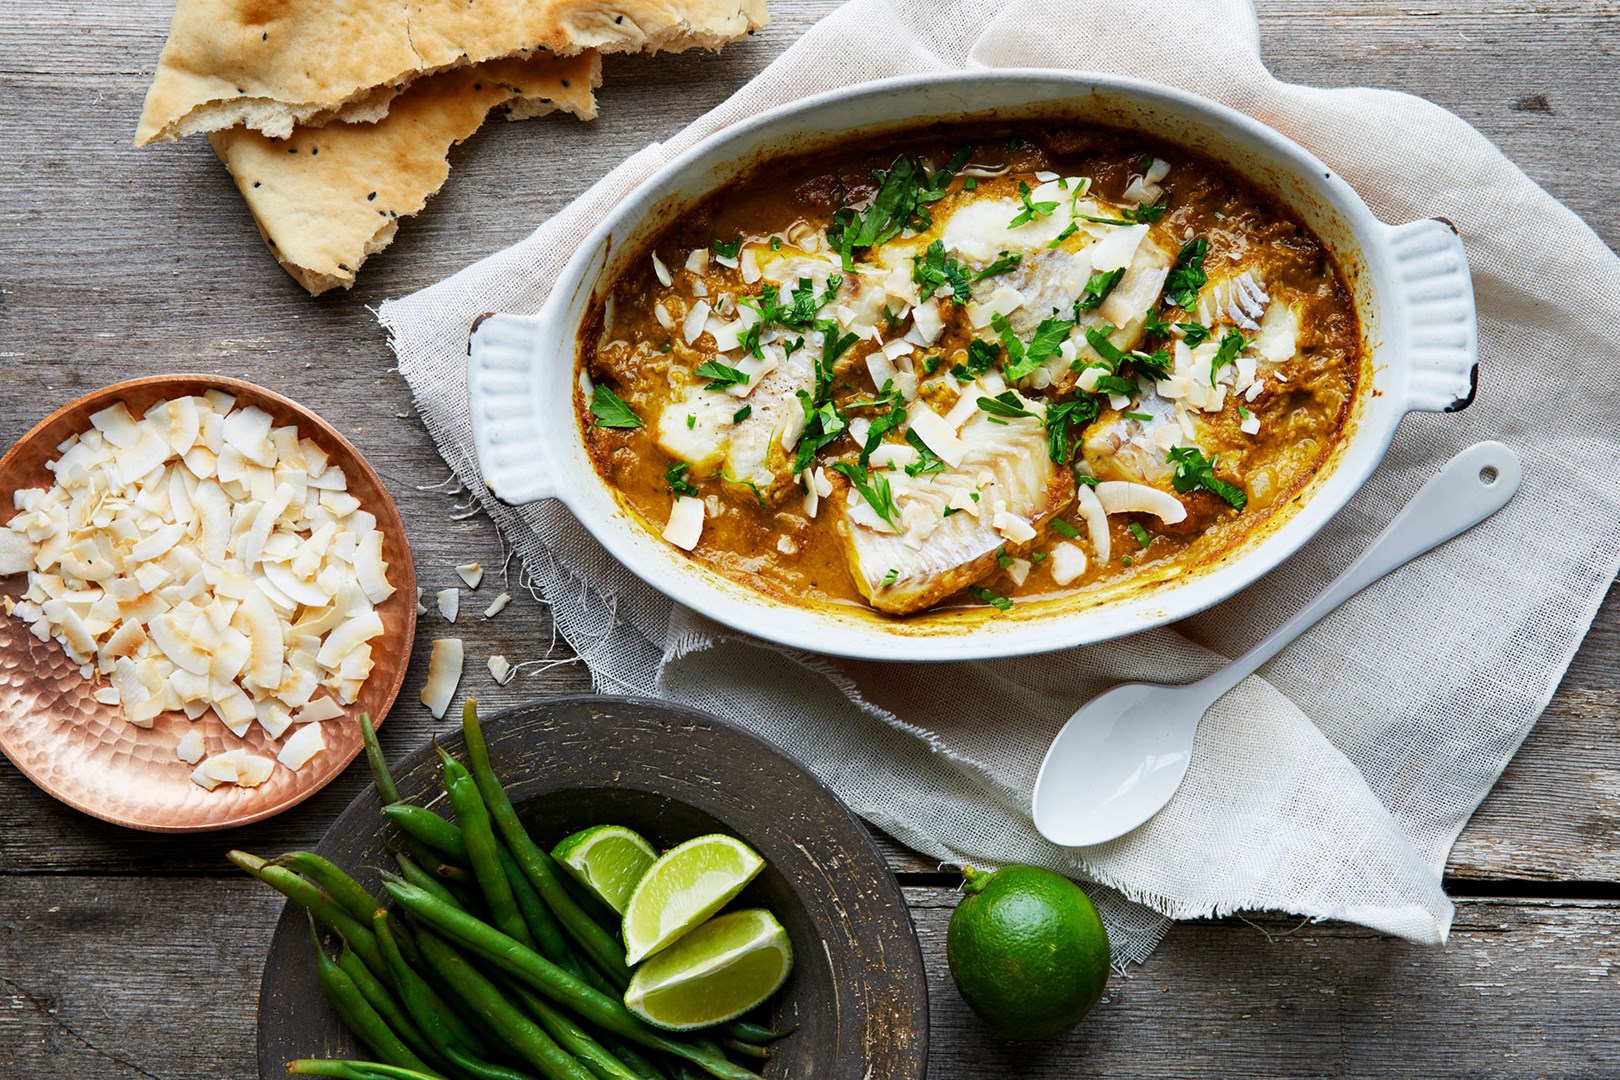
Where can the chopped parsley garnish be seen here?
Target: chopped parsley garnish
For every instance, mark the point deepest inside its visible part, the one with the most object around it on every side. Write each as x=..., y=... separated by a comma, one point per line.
x=1003, y=559
x=776, y=243
x=691, y=421
x=725, y=250
x=1036, y=556
x=1153, y=326
x=933, y=363
x=1127, y=560
x=1006, y=404
x=1195, y=472
x=1063, y=528
x=1142, y=416
x=749, y=484
x=1086, y=481
x=874, y=488
x=936, y=271
x=1141, y=534
x=927, y=461
x=1116, y=384
x=890, y=578
x=1098, y=340
x=1068, y=230
x=1000, y=603
x=902, y=200
x=721, y=375
x=980, y=355
x=1022, y=360
x=1104, y=220
x=832, y=347
x=1155, y=365
x=893, y=418
x=611, y=411
x=1098, y=288
x=675, y=477
x=970, y=184
x=1187, y=277
x=1064, y=421
x=1194, y=333
x=1031, y=210
x=1231, y=345
x=742, y=414
x=823, y=424
x=1244, y=414
x=1148, y=214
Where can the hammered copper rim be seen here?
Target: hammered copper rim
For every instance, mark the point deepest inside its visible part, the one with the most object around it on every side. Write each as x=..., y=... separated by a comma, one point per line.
x=84, y=753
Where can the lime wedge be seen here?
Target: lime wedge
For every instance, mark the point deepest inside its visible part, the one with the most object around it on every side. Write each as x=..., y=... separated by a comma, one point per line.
x=716, y=973
x=609, y=860
x=688, y=884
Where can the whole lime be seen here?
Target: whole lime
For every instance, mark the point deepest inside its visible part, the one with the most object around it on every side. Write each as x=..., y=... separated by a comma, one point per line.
x=1027, y=950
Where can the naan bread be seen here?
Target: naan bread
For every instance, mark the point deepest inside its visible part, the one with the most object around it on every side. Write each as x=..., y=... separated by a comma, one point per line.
x=327, y=197
x=274, y=64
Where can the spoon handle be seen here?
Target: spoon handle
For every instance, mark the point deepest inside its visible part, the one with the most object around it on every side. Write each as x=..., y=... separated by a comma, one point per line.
x=1470, y=488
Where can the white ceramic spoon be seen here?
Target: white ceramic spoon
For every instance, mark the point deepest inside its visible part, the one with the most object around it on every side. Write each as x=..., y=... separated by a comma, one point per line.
x=1121, y=757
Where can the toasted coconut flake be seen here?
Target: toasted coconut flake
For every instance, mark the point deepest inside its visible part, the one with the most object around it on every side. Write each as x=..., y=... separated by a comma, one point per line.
x=319, y=709
x=685, y=525
x=1096, y=519
x=449, y=602
x=444, y=674
x=302, y=745
x=500, y=670
x=497, y=605
x=1124, y=497
x=471, y=573
x=190, y=747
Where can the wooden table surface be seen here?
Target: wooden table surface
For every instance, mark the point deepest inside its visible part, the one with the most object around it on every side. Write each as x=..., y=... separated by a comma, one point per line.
x=125, y=954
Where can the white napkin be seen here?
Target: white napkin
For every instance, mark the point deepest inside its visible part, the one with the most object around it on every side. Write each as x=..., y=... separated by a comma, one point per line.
x=1335, y=786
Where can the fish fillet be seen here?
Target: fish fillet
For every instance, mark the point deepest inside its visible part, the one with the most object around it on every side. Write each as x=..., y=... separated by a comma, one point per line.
x=935, y=555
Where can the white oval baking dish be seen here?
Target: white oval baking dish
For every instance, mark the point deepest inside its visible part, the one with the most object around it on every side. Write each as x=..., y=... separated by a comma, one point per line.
x=1410, y=283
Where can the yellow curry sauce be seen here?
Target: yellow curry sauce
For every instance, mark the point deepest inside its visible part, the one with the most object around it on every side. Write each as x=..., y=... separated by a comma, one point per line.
x=979, y=366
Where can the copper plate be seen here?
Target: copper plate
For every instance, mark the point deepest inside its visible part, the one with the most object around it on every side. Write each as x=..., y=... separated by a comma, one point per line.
x=85, y=753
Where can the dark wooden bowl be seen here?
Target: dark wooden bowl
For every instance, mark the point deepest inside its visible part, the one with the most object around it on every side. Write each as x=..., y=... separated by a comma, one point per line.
x=857, y=995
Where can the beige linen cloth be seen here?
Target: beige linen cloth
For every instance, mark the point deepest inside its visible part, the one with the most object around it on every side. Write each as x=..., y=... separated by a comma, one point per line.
x=1334, y=785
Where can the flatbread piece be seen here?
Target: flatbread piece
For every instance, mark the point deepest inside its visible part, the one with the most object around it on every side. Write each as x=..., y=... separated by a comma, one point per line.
x=327, y=197
x=274, y=64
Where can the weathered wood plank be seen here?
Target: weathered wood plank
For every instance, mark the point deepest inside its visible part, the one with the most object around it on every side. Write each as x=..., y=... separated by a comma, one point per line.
x=122, y=262
x=1523, y=989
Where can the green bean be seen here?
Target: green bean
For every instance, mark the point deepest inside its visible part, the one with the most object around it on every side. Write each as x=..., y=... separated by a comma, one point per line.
x=357, y=1014
x=483, y=1070
x=548, y=936
x=633, y=1058
x=333, y=881
x=354, y=1070
x=566, y=990
x=386, y=790
x=453, y=874
x=327, y=912
x=754, y=1033
x=747, y=1049
x=523, y=1035
x=431, y=829
x=382, y=999
x=602, y=1063
x=599, y=946
x=424, y=880
x=438, y=1022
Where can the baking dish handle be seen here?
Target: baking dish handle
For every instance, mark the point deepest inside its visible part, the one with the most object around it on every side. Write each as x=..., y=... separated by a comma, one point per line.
x=502, y=354
x=1433, y=313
